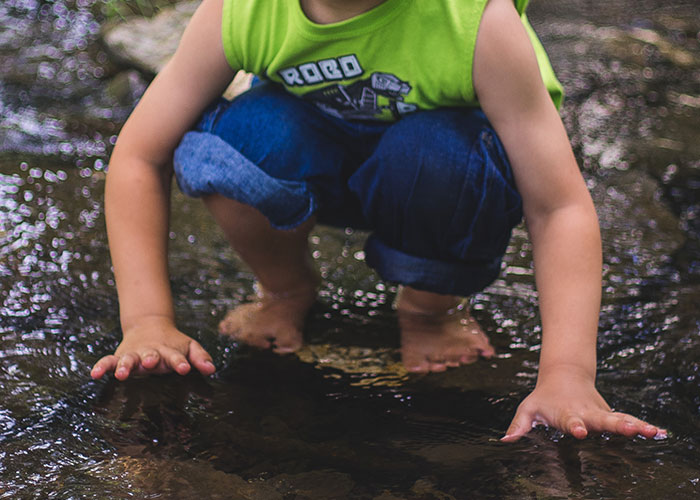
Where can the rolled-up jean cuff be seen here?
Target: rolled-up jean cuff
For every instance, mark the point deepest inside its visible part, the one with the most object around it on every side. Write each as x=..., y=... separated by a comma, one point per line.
x=449, y=278
x=206, y=164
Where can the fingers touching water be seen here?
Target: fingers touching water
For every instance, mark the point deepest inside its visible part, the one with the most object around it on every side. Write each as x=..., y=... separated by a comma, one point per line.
x=163, y=351
x=579, y=411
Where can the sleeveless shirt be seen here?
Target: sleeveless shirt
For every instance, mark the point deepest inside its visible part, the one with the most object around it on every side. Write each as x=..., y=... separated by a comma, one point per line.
x=399, y=57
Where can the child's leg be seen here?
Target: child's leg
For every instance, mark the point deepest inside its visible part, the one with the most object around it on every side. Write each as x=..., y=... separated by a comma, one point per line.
x=265, y=164
x=286, y=275
x=439, y=194
x=438, y=332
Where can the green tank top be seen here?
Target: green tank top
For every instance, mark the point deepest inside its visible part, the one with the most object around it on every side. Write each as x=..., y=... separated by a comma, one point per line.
x=399, y=57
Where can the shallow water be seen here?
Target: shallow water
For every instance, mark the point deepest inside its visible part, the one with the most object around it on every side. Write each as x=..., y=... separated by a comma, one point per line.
x=342, y=419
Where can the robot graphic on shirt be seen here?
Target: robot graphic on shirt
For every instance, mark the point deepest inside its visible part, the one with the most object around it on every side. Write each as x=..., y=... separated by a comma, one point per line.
x=367, y=99
x=381, y=96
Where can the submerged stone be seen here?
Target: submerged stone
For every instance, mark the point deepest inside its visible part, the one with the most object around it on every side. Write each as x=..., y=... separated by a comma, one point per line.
x=147, y=476
x=367, y=366
x=314, y=485
x=426, y=489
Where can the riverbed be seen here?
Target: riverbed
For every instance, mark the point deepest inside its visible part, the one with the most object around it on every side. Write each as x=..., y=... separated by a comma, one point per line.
x=342, y=419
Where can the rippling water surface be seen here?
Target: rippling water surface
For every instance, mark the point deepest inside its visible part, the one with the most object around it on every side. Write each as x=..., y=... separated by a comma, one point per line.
x=342, y=419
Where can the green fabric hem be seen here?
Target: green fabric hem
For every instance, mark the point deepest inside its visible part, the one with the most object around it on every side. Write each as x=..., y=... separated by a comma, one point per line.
x=227, y=35
x=549, y=77
x=470, y=92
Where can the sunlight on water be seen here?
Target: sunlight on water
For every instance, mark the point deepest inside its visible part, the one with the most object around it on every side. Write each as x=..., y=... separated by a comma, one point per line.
x=342, y=418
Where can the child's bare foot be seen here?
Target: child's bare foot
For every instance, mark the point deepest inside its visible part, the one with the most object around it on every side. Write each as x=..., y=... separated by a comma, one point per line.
x=274, y=320
x=282, y=263
x=434, y=339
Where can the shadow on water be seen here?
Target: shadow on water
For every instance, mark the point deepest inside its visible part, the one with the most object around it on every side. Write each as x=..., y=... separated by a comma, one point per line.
x=342, y=419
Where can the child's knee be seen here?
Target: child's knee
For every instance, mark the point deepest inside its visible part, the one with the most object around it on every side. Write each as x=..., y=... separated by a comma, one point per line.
x=441, y=184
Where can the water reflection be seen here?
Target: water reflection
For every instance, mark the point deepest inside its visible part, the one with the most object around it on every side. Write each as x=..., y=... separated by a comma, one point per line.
x=342, y=419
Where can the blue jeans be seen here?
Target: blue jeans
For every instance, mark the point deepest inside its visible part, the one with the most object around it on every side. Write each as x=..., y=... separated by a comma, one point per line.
x=435, y=188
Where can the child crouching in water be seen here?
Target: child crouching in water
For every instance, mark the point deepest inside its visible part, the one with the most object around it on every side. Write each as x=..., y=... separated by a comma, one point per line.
x=432, y=123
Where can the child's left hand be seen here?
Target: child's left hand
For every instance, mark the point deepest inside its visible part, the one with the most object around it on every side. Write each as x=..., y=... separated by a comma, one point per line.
x=570, y=402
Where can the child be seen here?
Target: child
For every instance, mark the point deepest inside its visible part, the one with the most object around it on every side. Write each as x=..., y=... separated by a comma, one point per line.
x=368, y=117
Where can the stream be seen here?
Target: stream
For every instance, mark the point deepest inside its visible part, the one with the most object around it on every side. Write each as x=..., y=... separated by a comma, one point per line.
x=341, y=418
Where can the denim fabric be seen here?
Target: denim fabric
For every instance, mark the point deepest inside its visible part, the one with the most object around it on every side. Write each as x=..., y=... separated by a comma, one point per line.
x=435, y=188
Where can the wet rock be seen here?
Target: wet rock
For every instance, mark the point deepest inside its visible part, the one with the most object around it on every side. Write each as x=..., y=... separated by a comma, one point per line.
x=181, y=479
x=272, y=425
x=530, y=488
x=126, y=8
x=634, y=45
x=148, y=43
x=367, y=367
x=639, y=231
x=640, y=234
x=314, y=485
x=629, y=136
x=632, y=212
x=426, y=489
x=672, y=154
x=387, y=495
x=126, y=87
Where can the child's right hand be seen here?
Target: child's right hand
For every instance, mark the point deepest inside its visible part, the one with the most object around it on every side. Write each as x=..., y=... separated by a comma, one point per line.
x=154, y=346
x=137, y=200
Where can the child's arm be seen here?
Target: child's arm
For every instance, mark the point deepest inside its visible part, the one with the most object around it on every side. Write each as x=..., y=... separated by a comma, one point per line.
x=137, y=198
x=563, y=227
